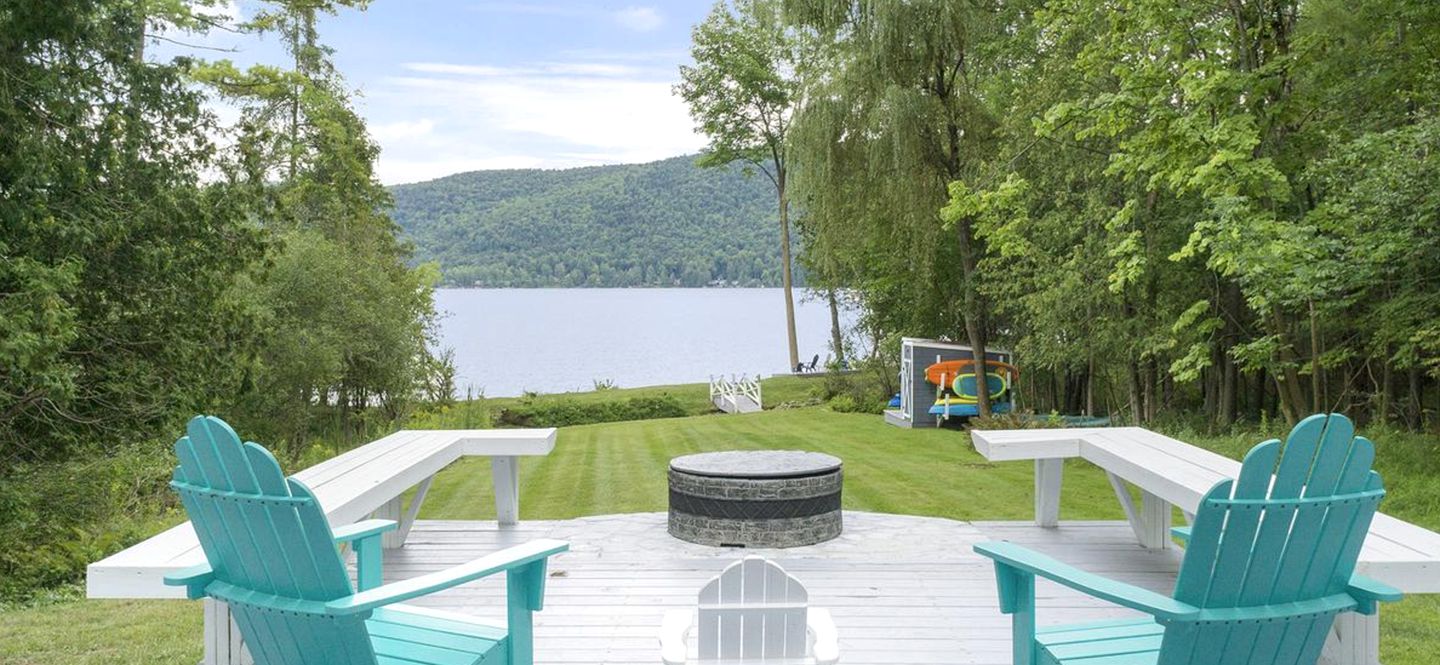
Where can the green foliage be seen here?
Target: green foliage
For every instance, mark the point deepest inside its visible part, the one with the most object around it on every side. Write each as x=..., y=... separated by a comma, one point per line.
x=116, y=262
x=743, y=86
x=667, y=223
x=565, y=413
x=60, y=517
x=1219, y=207
x=891, y=116
x=866, y=390
x=149, y=272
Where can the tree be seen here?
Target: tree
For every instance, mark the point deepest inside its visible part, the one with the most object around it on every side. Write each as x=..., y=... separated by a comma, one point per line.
x=1217, y=207
x=117, y=318
x=742, y=92
x=893, y=115
x=346, y=320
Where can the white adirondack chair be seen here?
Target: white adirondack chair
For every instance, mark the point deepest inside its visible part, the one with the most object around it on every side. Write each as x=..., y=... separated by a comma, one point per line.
x=753, y=612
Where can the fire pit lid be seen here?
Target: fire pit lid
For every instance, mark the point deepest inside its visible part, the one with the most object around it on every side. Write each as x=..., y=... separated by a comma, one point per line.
x=756, y=464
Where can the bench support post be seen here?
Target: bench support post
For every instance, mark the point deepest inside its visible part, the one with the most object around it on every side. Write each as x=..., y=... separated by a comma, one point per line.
x=1048, y=476
x=1150, y=520
x=1355, y=640
x=506, y=471
x=404, y=515
x=223, y=644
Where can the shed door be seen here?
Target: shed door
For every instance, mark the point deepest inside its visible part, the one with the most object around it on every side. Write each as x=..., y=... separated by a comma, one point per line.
x=907, y=380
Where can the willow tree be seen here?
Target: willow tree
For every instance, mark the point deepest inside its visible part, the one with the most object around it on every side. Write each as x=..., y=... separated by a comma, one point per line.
x=742, y=92
x=894, y=114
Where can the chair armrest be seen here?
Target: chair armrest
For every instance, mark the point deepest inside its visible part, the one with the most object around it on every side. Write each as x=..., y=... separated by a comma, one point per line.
x=1180, y=533
x=364, y=536
x=363, y=529
x=395, y=592
x=194, y=579
x=674, y=636
x=1033, y=563
x=827, y=645
x=1368, y=591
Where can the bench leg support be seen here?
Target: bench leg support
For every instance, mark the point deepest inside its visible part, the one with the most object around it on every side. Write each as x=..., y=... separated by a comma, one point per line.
x=1355, y=640
x=391, y=510
x=506, y=471
x=223, y=645
x=404, y=515
x=1150, y=520
x=1155, y=516
x=1048, y=476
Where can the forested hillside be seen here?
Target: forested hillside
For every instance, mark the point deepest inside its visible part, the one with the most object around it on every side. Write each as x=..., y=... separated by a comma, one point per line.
x=666, y=223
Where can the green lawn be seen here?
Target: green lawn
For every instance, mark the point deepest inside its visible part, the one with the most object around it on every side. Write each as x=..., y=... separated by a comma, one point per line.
x=619, y=467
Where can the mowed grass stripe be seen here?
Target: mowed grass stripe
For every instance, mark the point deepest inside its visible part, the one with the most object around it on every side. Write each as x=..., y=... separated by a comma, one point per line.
x=620, y=467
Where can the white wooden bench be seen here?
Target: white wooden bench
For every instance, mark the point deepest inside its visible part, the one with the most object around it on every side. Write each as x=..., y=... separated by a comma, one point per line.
x=369, y=481
x=1168, y=473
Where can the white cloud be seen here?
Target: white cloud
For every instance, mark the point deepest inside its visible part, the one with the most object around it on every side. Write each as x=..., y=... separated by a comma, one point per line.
x=531, y=115
x=467, y=70
x=401, y=129
x=581, y=68
x=639, y=19
x=532, y=8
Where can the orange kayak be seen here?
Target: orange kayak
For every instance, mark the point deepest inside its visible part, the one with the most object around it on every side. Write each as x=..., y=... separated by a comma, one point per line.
x=943, y=373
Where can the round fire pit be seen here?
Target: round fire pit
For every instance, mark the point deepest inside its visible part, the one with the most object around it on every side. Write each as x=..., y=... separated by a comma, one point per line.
x=770, y=498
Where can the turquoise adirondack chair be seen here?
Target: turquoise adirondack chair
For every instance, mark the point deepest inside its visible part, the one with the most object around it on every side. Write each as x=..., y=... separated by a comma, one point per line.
x=274, y=559
x=1270, y=563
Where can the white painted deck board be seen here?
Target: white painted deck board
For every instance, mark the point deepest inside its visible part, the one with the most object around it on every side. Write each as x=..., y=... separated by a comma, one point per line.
x=902, y=589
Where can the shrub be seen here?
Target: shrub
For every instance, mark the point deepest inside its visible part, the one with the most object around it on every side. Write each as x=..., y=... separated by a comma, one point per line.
x=544, y=413
x=864, y=391
x=59, y=517
x=845, y=404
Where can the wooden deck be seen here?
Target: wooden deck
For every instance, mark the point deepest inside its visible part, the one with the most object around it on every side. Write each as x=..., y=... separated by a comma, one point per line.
x=902, y=589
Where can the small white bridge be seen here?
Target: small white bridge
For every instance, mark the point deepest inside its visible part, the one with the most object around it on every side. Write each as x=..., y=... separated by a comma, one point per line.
x=734, y=395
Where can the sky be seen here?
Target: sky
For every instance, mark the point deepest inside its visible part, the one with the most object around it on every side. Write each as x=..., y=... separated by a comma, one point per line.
x=448, y=86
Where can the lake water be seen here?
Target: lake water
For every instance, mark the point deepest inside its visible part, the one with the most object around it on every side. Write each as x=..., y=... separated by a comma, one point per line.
x=507, y=341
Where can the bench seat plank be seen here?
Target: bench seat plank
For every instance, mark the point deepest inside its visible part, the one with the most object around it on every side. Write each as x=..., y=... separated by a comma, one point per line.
x=351, y=486
x=1399, y=553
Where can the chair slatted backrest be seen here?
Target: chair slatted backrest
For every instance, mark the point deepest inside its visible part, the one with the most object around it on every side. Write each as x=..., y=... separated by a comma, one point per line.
x=266, y=534
x=1288, y=529
x=753, y=610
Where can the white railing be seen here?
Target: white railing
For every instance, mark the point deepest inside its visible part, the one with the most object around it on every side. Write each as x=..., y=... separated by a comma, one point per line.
x=735, y=395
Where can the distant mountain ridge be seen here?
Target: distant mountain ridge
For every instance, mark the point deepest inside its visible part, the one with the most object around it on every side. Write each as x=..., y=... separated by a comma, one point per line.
x=665, y=223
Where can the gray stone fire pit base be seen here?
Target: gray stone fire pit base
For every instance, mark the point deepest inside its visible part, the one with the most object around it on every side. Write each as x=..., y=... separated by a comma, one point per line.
x=755, y=498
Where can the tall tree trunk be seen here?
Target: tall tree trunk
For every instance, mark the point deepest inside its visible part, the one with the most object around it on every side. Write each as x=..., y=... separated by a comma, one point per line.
x=1210, y=387
x=1386, y=390
x=1287, y=377
x=974, y=314
x=1416, y=403
x=1317, y=395
x=837, y=338
x=1151, y=394
x=785, y=277
x=1256, y=400
x=1227, y=397
x=1231, y=304
x=1090, y=387
x=1137, y=412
